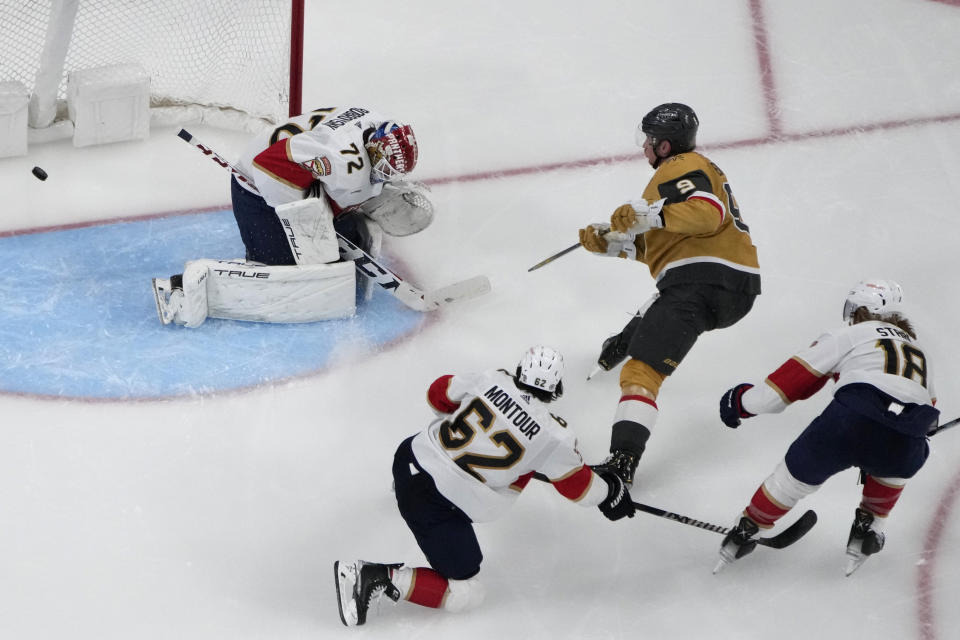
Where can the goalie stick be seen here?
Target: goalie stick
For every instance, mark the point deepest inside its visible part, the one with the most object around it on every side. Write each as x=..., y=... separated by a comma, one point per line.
x=389, y=281
x=783, y=539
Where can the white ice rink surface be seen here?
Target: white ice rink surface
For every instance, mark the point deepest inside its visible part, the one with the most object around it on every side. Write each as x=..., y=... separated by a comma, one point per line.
x=219, y=517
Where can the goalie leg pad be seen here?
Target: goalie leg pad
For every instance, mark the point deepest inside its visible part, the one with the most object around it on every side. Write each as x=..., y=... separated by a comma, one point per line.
x=401, y=209
x=310, y=232
x=258, y=293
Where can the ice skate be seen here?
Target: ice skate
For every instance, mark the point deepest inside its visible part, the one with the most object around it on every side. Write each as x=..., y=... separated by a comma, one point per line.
x=864, y=541
x=167, y=303
x=740, y=541
x=613, y=351
x=360, y=584
x=622, y=463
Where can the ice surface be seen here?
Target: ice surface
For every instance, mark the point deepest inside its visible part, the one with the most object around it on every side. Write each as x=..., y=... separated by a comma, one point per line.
x=220, y=515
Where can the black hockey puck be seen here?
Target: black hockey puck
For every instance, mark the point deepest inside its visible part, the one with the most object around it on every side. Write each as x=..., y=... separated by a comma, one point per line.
x=39, y=173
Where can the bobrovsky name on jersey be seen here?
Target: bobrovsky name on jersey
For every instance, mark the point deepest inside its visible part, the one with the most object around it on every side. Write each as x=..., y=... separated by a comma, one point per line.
x=345, y=118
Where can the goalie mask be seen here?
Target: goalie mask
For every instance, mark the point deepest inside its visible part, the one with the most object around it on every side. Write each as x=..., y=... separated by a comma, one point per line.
x=881, y=298
x=542, y=368
x=392, y=149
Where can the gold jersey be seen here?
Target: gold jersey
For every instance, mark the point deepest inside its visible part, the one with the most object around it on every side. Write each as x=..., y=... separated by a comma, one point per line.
x=704, y=239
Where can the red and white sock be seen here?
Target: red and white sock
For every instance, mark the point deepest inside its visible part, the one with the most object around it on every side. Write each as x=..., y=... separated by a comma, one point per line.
x=779, y=493
x=420, y=585
x=638, y=409
x=881, y=494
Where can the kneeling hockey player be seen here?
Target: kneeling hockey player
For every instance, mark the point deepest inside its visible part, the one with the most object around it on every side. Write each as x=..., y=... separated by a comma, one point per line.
x=330, y=171
x=493, y=434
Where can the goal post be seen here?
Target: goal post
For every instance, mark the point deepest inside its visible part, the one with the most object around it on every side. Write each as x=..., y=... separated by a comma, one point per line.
x=231, y=63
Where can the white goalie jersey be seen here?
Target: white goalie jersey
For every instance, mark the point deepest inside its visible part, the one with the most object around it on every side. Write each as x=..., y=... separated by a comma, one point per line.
x=490, y=438
x=325, y=145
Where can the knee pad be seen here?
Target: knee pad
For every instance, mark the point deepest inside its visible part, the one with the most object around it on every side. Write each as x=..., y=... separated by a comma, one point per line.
x=464, y=595
x=640, y=374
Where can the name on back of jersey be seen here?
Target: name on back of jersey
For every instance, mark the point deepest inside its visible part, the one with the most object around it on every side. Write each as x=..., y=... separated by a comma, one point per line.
x=894, y=332
x=513, y=411
x=344, y=118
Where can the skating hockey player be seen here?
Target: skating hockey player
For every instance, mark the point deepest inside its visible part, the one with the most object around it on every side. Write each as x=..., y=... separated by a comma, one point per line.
x=492, y=434
x=688, y=230
x=882, y=410
x=335, y=170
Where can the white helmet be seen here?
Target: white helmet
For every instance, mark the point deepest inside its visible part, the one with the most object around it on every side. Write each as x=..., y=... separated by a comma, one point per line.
x=542, y=368
x=880, y=297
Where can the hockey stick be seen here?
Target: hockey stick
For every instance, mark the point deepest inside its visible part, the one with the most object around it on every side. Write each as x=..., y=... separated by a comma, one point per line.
x=553, y=257
x=409, y=295
x=620, y=237
x=783, y=539
x=943, y=427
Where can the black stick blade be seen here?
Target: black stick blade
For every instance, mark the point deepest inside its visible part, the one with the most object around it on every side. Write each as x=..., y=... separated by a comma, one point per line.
x=792, y=533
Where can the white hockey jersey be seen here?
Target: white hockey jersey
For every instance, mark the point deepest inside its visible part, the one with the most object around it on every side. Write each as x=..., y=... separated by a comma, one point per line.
x=489, y=440
x=325, y=145
x=875, y=353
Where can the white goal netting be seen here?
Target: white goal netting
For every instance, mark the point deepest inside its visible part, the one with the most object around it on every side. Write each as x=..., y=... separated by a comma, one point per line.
x=229, y=56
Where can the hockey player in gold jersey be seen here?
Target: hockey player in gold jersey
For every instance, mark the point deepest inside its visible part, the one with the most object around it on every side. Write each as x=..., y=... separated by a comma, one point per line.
x=688, y=230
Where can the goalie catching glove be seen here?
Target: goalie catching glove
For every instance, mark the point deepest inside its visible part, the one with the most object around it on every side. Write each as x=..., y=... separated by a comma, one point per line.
x=618, y=503
x=597, y=238
x=637, y=217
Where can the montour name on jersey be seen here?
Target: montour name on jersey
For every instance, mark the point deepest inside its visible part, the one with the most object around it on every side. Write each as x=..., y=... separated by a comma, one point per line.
x=513, y=411
x=345, y=117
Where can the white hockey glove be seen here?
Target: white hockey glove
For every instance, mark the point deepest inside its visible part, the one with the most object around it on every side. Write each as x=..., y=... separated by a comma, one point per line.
x=597, y=238
x=637, y=217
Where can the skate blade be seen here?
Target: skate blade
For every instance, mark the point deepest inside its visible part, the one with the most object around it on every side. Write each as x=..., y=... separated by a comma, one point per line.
x=160, y=302
x=595, y=371
x=854, y=563
x=346, y=606
x=721, y=563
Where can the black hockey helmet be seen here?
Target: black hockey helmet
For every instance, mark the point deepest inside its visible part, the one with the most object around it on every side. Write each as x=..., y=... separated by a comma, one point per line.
x=674, y=122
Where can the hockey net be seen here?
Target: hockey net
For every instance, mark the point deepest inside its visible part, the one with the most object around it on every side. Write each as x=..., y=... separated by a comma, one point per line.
x=233, y=63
